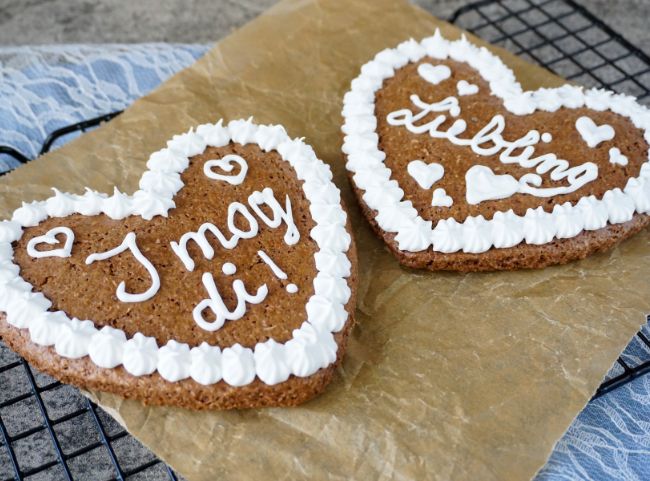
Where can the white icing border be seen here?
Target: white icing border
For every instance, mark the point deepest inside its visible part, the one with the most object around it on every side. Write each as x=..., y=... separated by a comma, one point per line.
x=506, y=229
x=312, y=346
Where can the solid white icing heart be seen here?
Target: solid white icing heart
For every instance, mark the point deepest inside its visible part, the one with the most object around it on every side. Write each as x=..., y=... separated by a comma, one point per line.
x=441, y=199
x=465, y=88
x=616, y=157
x=50, y=238
x=483, y=184
x=425, y=174
x=593, y=134
x=434, y=74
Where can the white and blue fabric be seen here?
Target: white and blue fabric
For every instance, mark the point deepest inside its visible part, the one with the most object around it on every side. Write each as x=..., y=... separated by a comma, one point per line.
x=45, y=88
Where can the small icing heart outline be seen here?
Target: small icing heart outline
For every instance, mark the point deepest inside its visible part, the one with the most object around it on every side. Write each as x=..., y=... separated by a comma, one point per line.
x=434, y=74
x=365, y=160
x=425, y=174
x=226, y=164
x=616, y=157
x=50, y=238
x=463, y=87
x=312, y=346
x=441, y=199
x=593, y=134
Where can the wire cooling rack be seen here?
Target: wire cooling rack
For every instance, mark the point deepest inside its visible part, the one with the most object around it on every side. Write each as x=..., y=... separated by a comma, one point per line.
x=49, y=431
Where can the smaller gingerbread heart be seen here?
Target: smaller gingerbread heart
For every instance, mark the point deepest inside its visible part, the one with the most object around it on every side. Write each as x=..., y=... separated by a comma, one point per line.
x=522, y=179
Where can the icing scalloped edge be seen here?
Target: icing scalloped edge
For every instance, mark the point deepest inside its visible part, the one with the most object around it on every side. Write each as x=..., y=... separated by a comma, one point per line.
x=413, y=233
x=312, y=346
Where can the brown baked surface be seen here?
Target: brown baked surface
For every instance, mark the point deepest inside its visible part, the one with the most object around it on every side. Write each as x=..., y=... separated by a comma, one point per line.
x=88, y=292
x=402, y=146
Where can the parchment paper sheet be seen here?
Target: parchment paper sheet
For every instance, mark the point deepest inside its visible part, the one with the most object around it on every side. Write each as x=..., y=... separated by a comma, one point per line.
x=463, y=377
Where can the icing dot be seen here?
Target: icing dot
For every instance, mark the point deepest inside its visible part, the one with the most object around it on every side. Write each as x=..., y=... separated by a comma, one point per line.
x=229, y=268
x=292, y=288
x=546, y=137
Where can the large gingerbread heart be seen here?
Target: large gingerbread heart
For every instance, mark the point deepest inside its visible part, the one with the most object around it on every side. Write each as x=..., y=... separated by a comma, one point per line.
x=226, y=281
x=458, y=168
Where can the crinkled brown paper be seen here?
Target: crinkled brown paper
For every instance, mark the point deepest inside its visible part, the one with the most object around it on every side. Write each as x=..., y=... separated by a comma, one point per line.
x=448, y=376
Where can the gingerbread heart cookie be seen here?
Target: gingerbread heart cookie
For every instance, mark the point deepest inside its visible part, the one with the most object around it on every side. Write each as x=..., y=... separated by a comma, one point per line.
x=227, y=281
x=457, y=168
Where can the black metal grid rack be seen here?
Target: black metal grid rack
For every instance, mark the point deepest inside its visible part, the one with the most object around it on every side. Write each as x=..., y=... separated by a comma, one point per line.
x=50, y=431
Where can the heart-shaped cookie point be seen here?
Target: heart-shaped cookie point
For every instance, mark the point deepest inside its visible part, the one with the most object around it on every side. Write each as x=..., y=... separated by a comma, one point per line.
x=425, y=174
x=533, y=175
x=226, y=281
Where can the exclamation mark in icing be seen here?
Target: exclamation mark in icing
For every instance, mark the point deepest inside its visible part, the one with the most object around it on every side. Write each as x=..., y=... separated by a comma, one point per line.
x=229, y=268
x=279, y=273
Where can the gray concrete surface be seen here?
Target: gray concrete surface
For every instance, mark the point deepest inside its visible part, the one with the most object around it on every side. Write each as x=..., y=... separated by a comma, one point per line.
x=201, y=21
x=33, y=22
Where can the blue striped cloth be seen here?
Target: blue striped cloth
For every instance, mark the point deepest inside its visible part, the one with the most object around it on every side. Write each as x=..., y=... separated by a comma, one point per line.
x=46, y=88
